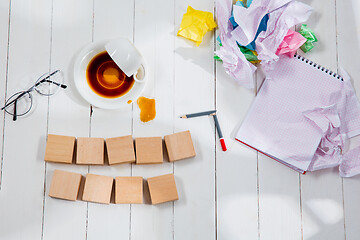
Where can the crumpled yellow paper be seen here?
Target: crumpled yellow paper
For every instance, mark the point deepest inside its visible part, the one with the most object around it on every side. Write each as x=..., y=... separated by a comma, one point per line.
x=195, y=24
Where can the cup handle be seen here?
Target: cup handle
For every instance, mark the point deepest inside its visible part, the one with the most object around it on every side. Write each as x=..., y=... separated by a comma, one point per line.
x=139, y=76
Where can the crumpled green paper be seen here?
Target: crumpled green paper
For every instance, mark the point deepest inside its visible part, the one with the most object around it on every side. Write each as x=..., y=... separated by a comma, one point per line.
x=310, y=37
x=250, y=55
x=195, y=24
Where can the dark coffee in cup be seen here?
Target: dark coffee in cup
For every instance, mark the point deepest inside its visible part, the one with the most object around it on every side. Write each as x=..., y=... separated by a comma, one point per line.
x=106, y=79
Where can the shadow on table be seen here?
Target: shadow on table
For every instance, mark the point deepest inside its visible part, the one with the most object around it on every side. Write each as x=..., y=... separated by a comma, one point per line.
x=71, y=91
x=202, y=52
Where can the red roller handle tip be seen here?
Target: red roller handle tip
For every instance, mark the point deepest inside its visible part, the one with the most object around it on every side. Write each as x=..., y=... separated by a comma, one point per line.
x=223, y=146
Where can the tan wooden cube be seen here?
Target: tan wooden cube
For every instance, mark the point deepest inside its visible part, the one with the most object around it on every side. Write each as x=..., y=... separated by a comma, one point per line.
x=65, y=185
x=128, y=190
x=90, y=151
x=120, y=150
x=179, y=146
x=59, y=149
x=149, y=150
x=162, y=189
x=97, y=188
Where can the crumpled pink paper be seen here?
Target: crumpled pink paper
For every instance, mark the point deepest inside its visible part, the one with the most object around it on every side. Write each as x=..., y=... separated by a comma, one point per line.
x=291, y=42
x=280, y=21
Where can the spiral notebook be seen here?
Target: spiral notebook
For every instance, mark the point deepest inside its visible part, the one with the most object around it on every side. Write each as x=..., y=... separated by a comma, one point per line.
x=276, y=124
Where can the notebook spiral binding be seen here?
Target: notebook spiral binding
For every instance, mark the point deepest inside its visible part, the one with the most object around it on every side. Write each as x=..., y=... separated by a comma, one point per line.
x=311, y=63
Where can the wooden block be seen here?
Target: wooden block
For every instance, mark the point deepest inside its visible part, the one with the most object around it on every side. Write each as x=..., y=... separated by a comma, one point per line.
x=97, y=188
x=90, y=151
x=149, y=150
x=128, y=190
x=179, y=146
x=120, y=150
x=65, y=185
x=162, y=189
x=59, y=149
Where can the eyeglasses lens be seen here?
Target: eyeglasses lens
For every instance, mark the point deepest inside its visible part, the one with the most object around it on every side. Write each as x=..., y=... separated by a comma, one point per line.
x=49, y=83
x=23, y=104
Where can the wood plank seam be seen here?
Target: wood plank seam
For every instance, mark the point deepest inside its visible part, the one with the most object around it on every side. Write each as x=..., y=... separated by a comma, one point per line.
x=5, y=92
x=215, y=137
x=132, y=123
x=47, y=122
x=301, y=209
x=258, y=194
x=338, y=68
x=173, y=113
x=257, y=169
x=90, y=117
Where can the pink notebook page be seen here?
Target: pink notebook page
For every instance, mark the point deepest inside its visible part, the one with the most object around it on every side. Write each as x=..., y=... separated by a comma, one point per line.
x=275, y=123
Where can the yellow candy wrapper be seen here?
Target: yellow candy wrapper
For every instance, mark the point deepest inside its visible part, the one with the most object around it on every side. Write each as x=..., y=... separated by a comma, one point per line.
x=195, y=24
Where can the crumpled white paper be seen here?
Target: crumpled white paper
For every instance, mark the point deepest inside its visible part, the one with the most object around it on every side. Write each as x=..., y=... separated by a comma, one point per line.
x=328, y=153
x=338, y=123
x=280, y=21
x=249, y=19
x=234, y=61
x=283, y=14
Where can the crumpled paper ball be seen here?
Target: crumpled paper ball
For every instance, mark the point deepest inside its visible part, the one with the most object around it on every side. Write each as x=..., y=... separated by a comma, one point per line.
x=195, y=24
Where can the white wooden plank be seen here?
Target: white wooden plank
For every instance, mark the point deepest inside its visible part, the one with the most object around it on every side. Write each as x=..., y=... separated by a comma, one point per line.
x=321, y=191
x=321, y=194
x=194, y=213
x=68, y=115
x=236, y=169
x=112, y=19
x=279, y=201
x=154, y=37
x=351, y=209
x=4, y=28
x=348, y=22
x=21, y=200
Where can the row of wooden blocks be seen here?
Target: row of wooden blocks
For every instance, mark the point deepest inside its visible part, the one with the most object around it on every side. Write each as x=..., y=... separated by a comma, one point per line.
x=149, y=150
x=97, y=188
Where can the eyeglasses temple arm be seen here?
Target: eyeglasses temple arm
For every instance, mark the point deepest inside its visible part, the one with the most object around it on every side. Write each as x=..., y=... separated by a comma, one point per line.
x=15, y=113
x=56, y=83
x=45, y=78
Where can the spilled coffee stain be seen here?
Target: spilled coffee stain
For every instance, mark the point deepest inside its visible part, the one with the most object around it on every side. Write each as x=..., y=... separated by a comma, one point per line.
x=147, y=109
x=128, y=102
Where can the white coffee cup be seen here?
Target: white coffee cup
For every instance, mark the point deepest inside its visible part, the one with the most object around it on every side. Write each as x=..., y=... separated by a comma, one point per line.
x=127, y=57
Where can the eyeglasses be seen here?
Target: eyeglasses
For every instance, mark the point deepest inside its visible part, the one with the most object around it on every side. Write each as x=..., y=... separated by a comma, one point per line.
x=21, y=102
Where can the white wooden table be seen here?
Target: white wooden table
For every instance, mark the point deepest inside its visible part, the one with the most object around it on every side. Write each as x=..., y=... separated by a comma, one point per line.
x=238, y=194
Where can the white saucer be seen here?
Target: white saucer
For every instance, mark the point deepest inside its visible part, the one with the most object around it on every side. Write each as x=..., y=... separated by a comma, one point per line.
x=82, y=86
